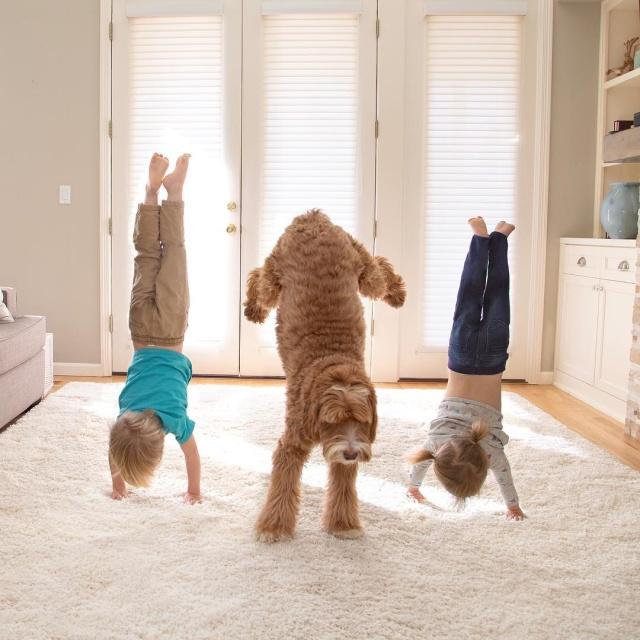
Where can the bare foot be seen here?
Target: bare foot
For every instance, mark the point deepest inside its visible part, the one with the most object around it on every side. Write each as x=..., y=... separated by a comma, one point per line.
x=174, y=181
x=479, y=226
x=504, y=227
x=415, y=494
x=190, y=498
x=158, y=166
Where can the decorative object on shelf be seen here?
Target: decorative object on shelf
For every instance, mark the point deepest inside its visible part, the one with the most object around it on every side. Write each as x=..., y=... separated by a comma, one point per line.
x=629, y=54
x=636, y=119
x=621, y=125
x=636, y=59
x=619, y=210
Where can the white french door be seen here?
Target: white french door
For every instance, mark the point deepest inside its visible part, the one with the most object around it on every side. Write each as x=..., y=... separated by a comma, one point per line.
x=468, y=152
x=309, y=110
x=176, y=89
x=297, y=78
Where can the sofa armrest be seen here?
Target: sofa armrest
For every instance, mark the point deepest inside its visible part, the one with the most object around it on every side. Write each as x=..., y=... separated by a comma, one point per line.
x=10, y=298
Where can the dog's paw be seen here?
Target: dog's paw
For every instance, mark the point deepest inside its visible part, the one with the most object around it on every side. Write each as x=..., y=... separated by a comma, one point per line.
x=396, y=295
x=269, y=537
x=255, y=313
x=347, y=534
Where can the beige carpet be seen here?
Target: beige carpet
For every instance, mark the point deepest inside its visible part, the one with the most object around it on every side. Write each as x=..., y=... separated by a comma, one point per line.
x=75, y=564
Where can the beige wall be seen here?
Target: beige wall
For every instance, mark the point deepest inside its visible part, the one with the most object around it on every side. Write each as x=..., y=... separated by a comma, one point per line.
x=49, y=123
x=573, y=125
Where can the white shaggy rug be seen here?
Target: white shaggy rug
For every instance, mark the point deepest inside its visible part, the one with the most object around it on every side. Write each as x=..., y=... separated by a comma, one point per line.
x=75, y=564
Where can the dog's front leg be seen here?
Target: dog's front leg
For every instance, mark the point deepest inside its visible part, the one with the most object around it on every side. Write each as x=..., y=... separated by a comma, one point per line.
x=340, y=516
x=278, y=517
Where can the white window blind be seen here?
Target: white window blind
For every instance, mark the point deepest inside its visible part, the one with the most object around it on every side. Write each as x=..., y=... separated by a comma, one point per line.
x=472, y=125
x=310, y=121
x=176, y=106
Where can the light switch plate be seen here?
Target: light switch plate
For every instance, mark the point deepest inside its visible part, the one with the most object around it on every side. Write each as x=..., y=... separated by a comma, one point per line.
x=64, y=194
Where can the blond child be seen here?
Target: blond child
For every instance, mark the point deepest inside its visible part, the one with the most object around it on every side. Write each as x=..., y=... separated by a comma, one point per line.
x=466, y=438
x=153, y=402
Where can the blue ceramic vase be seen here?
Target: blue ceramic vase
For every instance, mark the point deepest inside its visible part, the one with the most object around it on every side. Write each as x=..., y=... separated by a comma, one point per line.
x=619, y=210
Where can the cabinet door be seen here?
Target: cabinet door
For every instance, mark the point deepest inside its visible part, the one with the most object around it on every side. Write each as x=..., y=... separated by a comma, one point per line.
x=614, y=337
x=578, y=326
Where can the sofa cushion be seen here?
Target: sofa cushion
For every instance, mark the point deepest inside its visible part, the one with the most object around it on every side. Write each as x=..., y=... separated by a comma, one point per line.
x=21, y=387
x=20, y=341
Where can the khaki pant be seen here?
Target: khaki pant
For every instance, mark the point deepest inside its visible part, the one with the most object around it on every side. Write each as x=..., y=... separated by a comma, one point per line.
x=160, y=293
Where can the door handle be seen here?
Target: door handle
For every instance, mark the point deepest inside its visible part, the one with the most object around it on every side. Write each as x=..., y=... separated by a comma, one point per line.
x=623, y=266
x=231, y=206
x=231, y=228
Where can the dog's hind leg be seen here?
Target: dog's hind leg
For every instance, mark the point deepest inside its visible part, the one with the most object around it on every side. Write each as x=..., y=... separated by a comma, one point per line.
x=279, y=515
x=340, y=516
x=263, y=291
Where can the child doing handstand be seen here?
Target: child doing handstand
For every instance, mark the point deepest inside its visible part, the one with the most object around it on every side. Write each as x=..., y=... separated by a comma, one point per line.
x=467, y=438
x=154, y=399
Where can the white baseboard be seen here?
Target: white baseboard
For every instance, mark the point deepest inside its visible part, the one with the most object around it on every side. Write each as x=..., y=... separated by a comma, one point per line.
x=90, y=369
x=608, y=404
x=545, y=377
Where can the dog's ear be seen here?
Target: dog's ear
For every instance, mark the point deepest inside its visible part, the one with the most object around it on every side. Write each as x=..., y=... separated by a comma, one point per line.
x=342, y=402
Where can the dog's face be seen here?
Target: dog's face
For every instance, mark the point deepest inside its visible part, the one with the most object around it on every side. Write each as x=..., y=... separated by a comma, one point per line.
x=347, y=423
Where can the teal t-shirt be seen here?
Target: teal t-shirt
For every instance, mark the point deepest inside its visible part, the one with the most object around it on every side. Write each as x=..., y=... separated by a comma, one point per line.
x=157, y=379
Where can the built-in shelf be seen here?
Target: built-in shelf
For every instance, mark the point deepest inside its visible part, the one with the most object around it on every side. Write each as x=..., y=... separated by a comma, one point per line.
x=628, y=80
x=623, y=146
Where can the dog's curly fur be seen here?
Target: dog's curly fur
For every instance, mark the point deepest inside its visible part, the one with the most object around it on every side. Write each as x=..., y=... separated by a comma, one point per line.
x=313, y=276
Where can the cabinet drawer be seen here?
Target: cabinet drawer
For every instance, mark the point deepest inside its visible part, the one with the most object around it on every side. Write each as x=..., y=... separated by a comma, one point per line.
x=582, y=260
x=619, y=263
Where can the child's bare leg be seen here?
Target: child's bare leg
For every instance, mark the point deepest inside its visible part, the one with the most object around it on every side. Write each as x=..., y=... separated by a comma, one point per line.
x=157, y=168
x=479, y=226
x=505, y=228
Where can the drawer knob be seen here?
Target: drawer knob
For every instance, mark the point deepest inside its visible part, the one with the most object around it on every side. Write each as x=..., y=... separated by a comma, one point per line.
x=582, y=261
x=623, y=266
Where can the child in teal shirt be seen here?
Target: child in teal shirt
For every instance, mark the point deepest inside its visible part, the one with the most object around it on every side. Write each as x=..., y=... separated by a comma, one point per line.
x=154, y=399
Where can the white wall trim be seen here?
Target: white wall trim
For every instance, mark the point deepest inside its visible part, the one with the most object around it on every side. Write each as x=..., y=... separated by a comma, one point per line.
x=105, y=193
x=475, y=7
x=540, y=188
x=545, y=377
x=385, y=343
x=89, y=369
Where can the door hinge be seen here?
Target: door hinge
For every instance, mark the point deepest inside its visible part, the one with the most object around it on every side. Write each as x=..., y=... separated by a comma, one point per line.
x=110, y=324
x=110, y=226
x=111, y=31
x=110, y=129
x=377, y=128
x=373, y=327
x=375, y=228
x=377, y=27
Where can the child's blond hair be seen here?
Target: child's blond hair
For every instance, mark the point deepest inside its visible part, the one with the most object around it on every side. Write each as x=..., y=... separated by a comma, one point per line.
x=460, y=464
x=135, y=446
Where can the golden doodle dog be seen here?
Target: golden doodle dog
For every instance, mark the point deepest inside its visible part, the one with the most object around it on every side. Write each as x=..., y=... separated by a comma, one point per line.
x=313, y=276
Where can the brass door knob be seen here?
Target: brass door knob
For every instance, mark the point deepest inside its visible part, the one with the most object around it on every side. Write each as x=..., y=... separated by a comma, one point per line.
x=232, y=206
x=231, y=228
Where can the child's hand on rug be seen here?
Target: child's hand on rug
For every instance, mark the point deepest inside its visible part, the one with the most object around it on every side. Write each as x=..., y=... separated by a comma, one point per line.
x=515, y=513
x=413, y=493
x=119, y=494
x=191, y=498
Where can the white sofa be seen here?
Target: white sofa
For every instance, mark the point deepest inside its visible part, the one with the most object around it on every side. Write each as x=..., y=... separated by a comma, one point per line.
x=22, y=368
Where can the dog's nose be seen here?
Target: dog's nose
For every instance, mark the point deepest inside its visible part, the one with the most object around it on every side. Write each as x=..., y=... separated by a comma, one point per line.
x=350, y=455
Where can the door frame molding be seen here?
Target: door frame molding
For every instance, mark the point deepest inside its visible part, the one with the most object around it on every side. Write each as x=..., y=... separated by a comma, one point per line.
x=390, y=197
x=105, y=189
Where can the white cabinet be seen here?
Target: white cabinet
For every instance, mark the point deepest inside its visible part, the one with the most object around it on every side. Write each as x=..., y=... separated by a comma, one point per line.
x=595, y=308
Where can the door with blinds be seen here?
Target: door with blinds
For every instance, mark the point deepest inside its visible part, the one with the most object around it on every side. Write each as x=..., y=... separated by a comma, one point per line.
x=295, y=80
x=465, y=156
x=176, y=89
x=309, y=109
